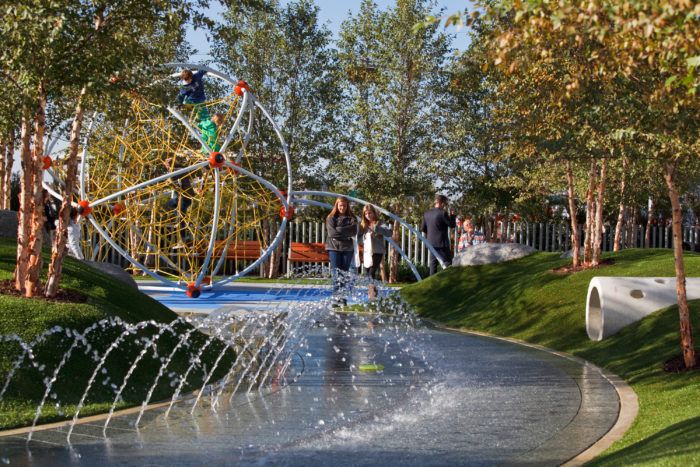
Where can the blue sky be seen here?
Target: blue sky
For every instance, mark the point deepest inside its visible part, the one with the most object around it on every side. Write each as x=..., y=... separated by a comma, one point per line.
x=333, y=13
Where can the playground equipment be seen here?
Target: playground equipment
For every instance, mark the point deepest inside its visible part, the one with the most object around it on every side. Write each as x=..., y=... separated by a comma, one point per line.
x=179, y=190
x=616, y=302
x=171, y=191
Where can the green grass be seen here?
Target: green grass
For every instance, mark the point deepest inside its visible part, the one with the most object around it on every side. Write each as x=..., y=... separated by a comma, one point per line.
x=107, y=298
x=523, y=299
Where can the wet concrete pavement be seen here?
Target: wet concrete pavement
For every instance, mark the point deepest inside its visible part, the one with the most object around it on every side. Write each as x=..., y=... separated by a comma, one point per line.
x=443, y=398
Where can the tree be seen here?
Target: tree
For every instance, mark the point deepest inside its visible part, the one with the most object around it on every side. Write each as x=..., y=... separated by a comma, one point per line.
x=41, y=43
x=634, y=47
x=284, y=54
x=394, y=83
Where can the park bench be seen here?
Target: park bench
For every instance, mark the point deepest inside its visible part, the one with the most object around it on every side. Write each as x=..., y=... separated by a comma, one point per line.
x=241, y=249
x=306, y=253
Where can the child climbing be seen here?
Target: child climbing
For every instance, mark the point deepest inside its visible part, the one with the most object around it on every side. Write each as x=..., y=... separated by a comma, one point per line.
x=192, y=92
x=209, y=129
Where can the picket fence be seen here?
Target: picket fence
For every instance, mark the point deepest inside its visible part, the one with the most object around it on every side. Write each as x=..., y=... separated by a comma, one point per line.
x=543, y=236
x=549, y=236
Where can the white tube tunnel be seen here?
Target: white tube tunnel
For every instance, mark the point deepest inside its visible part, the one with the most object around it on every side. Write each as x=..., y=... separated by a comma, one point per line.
x=615, y=302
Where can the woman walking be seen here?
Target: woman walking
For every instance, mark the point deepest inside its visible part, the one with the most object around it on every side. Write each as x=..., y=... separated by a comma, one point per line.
x=371, y=235
x=341, y=227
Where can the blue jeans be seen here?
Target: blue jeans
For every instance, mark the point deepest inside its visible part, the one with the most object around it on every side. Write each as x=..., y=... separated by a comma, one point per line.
x=340, y=261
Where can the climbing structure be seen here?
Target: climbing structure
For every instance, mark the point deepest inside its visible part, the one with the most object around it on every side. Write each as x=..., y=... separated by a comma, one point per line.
x=177, y=189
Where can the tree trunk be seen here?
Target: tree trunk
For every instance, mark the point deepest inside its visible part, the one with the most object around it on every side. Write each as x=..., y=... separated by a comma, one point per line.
x=575, y=244
x=36, y=240
x=598, y=233
x=650, y=216
x=7, y=198
x=632, y=222
x=25, y=203
x=4, y=187
x=276, y=261
x=589, y=212
x=686, y=328
x=265, y=266
x=621, y=212
x=394, y=256
x=58, y=251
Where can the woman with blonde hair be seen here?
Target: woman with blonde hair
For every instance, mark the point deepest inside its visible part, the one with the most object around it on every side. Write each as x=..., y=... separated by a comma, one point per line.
x=341, y=227
x=371, y=235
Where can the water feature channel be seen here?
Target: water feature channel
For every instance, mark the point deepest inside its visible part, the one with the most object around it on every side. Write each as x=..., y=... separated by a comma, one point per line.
x=358, y=388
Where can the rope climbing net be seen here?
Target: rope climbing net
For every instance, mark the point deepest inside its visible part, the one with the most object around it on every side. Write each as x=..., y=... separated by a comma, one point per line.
x=178, y=190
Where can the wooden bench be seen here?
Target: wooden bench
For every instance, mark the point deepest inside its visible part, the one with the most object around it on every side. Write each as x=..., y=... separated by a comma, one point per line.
x=241, y=249
x=306, y=253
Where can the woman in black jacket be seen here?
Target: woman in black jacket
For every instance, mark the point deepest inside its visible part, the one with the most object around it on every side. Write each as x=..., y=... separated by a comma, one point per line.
x=341, y=227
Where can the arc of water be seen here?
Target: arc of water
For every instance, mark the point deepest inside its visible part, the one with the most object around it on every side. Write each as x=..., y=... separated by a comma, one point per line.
x=290, y=342
x=240, y=357
x=274, y=352
x=383, y=211
x=252, y=359
x=284, y=339
x=129, y=329
x=209, y=341
x=78, y=339
x=152, y=344
x=211, y=373
x=161, y=370
x=26, y=350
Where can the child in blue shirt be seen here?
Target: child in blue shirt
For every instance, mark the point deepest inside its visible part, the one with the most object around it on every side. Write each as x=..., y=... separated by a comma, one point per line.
x=193, y=92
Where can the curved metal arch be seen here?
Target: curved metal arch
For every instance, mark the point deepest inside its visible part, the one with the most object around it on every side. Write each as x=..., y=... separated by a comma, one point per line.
x=393, y=216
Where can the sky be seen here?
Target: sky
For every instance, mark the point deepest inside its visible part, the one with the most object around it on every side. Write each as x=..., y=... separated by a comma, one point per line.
x=333, y=13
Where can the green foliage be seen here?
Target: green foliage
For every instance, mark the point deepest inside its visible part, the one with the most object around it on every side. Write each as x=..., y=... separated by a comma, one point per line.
x=394, y=85
x=526, y=300
x=284, y=54
x=405, y=274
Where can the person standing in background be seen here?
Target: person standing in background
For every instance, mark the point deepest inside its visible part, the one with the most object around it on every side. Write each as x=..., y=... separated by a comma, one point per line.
x=436, y=223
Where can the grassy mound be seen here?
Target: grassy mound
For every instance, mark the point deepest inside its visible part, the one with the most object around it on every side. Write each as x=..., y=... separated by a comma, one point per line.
x=118, y=304
x=525, y=300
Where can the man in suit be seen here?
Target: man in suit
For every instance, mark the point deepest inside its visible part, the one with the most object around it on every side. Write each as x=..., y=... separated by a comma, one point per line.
x=435, y=224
